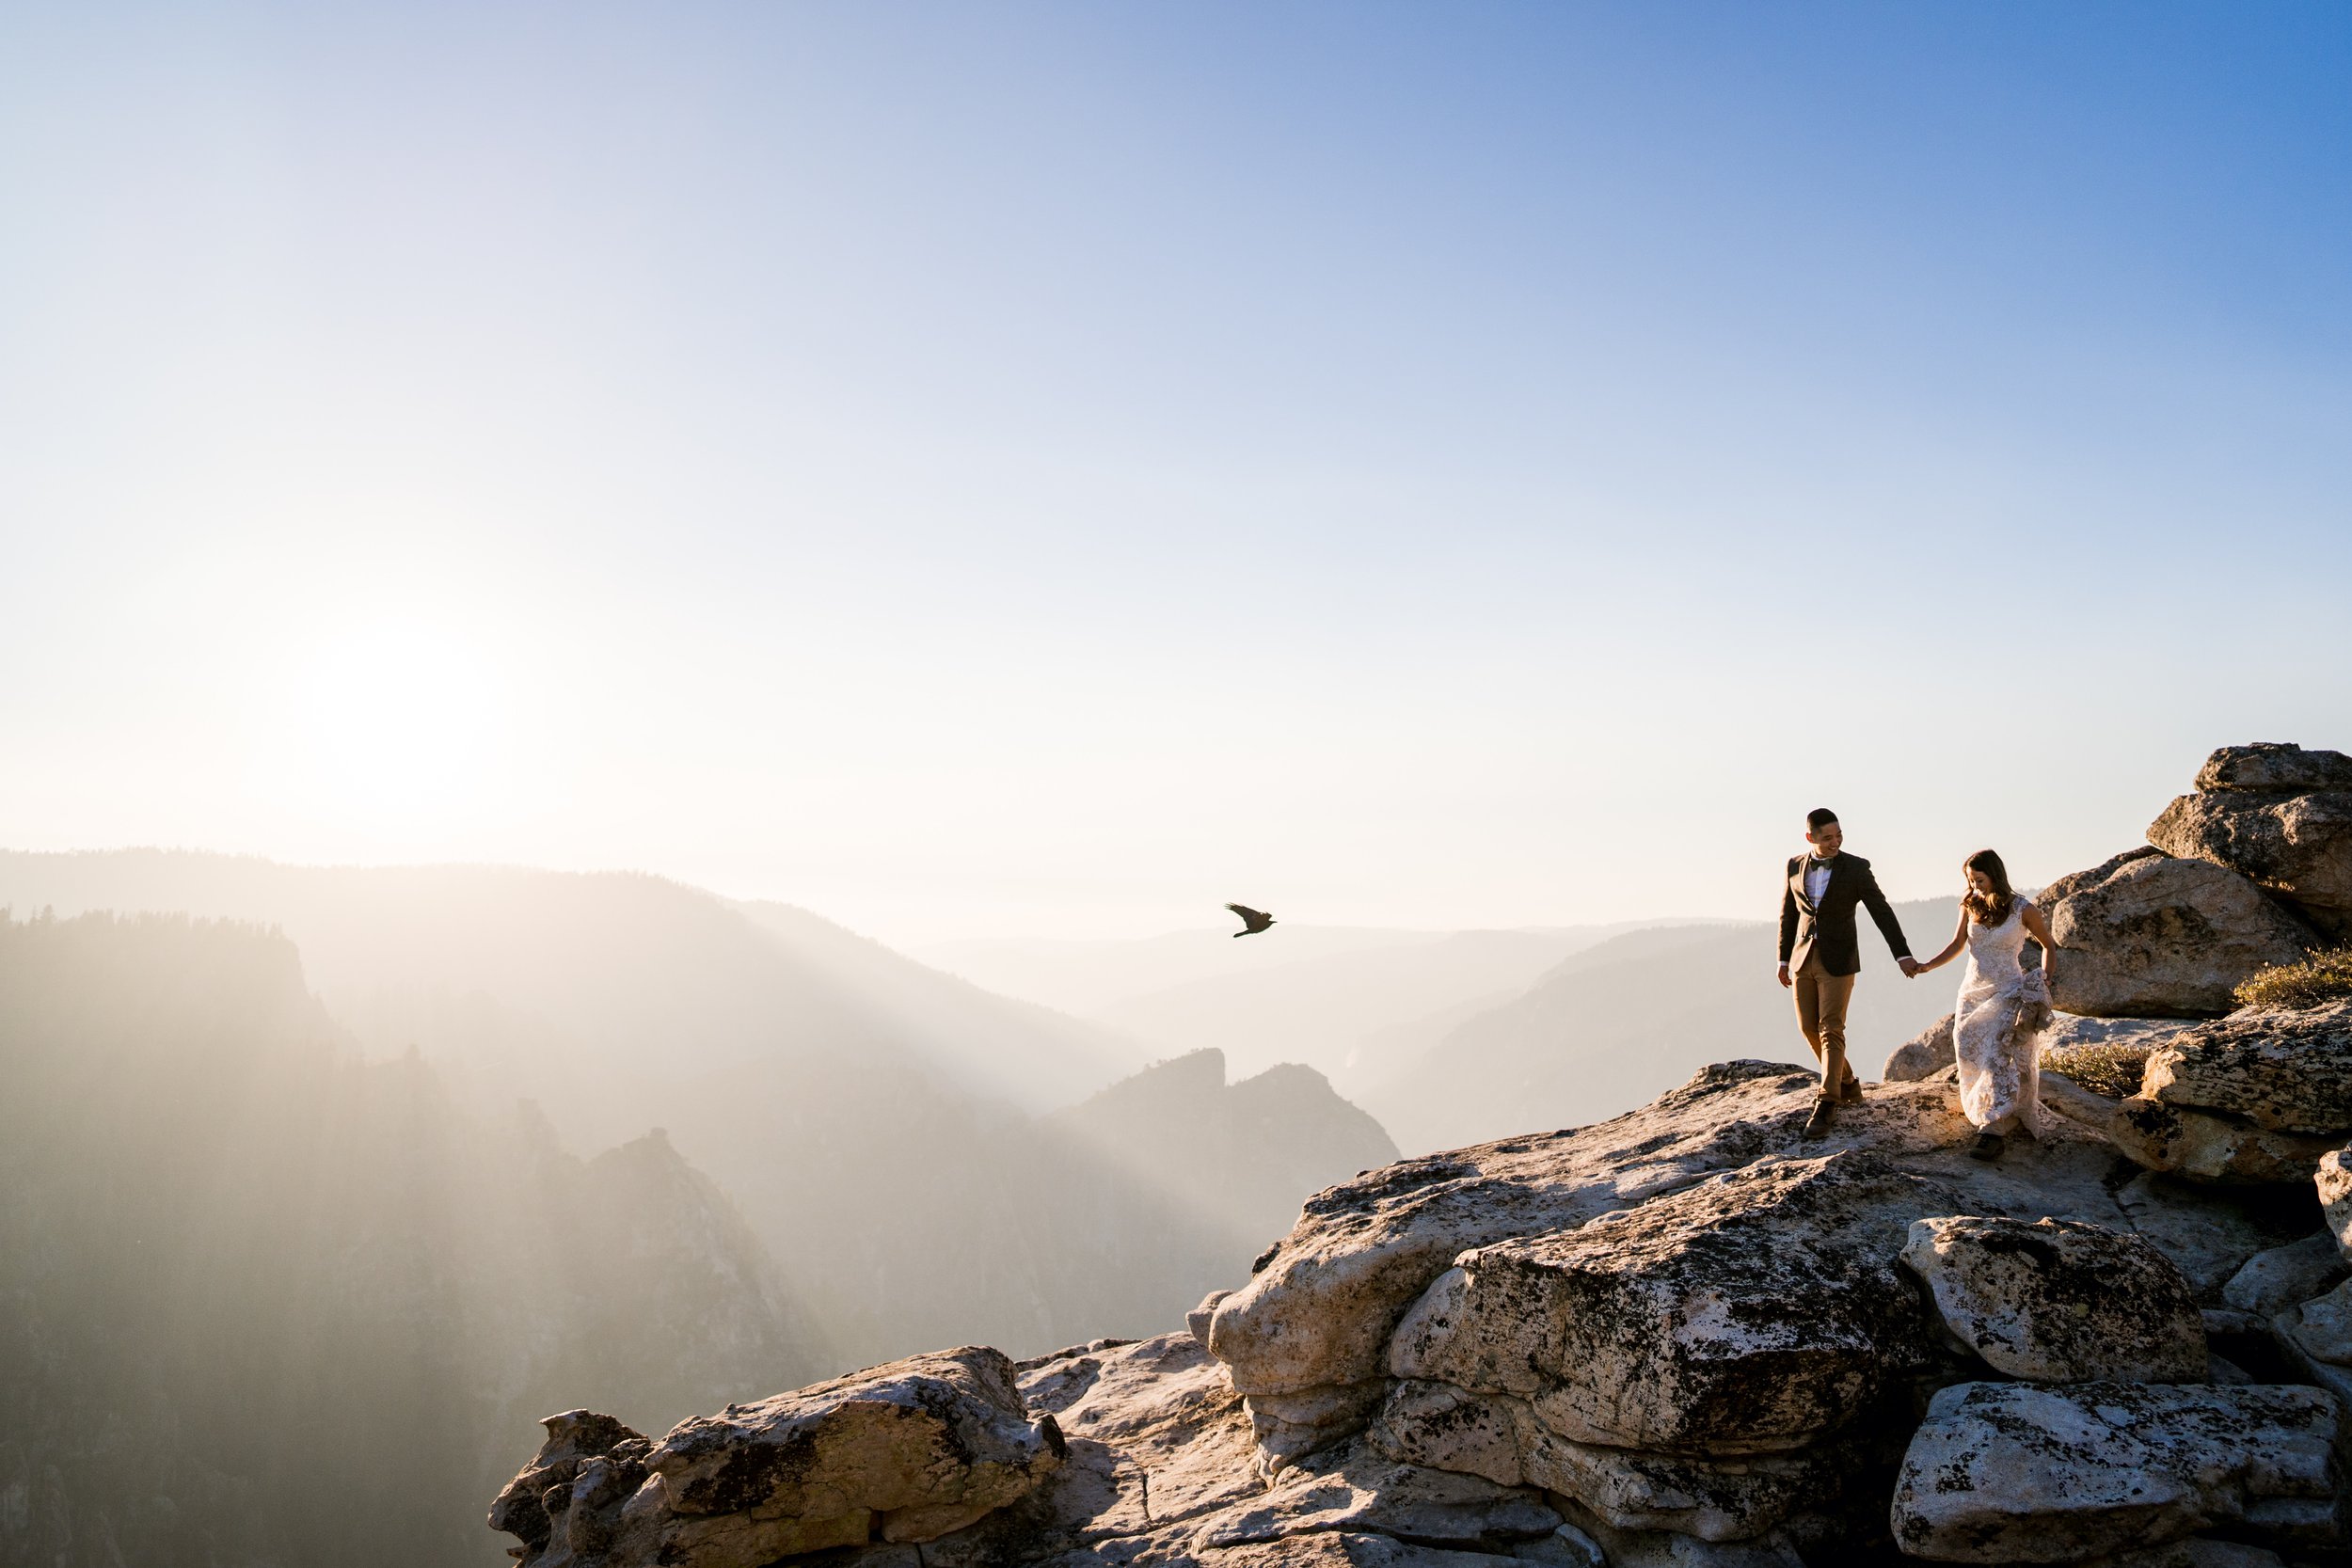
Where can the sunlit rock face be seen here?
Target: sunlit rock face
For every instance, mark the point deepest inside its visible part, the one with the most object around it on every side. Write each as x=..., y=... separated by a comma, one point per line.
x=2056, y=1302
x=2286, y=1070
x=1322, y=1311
x=1667, y=1326
x=2257, y=1098
x=2272, y=766
x=2148, y=935
x=2280, y=816
x=2017, y=1473
x=904, y=1452
x=560, y=1505
x=1673, y=1364
x=1694, y=1336
x=2334, y=1183
x=1923, y=1055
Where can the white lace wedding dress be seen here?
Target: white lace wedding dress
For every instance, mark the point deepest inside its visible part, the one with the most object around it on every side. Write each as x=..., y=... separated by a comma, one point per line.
x=2000, y=1061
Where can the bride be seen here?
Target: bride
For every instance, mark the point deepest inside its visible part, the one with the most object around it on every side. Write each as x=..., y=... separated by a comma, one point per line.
x=2003, y=1007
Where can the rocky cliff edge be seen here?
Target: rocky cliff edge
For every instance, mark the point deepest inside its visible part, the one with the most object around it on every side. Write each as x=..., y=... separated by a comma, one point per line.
x=1688, y=1336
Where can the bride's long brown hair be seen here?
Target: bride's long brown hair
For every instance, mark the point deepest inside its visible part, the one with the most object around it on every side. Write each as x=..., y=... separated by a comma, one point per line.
x=1988, y=909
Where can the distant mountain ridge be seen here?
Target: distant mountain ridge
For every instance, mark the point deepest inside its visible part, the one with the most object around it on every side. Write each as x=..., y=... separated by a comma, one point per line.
x=876, y=1122
x=1450, y=1039
x=598, y=967
x=1328, y=996
x=1182, y=1128
x=1614, y=1025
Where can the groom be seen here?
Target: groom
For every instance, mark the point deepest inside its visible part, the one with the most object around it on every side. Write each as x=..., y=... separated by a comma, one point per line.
x=1817, y=935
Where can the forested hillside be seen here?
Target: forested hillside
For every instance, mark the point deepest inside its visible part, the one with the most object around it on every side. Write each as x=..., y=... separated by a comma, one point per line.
x=270, y=1303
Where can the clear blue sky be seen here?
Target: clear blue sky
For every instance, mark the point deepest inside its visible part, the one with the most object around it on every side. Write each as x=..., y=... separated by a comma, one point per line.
x=1025, y=468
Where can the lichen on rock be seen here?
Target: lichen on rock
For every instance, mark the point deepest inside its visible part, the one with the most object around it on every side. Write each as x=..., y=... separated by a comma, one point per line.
x=2053, y=1300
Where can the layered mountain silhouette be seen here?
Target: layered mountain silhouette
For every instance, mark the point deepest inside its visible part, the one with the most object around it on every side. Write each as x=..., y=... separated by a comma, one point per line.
x=1328, y=996
x=266, y=1295
x=1450, y=1039
x=1613, y=1027
x=319, y=1146
x=252, y=1197
x=572, y=988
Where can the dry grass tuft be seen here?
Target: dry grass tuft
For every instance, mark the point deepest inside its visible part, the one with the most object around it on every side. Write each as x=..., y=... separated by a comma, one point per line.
x=2321, y=977
x=2112, y=1070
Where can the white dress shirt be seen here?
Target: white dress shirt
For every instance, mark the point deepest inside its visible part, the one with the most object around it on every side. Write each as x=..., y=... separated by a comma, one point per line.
x=1816, y=880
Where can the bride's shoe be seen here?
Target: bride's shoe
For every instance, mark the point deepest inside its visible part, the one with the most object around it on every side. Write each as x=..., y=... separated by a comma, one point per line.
x=1988, y=1146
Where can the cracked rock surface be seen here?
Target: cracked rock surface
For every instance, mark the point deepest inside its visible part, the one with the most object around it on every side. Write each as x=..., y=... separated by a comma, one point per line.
x=2284, y=1070
x=2297, y=845
x=1684, y=1337
x=2055, y=1301
x=2011, y=1472
x=1687, y=1338
x=2149, y=935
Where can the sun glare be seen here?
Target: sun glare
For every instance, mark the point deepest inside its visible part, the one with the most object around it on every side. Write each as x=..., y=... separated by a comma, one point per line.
x=402, y=722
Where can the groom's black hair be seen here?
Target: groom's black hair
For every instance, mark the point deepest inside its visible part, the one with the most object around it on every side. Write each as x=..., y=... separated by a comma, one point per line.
x=1818, y=818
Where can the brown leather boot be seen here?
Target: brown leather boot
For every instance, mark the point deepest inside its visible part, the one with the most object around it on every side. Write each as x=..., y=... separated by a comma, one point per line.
x=1824, y=1110
x=1851, y=1091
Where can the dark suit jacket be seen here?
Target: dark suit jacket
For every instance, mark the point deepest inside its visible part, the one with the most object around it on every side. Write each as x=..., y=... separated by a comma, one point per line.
x=1831, y=926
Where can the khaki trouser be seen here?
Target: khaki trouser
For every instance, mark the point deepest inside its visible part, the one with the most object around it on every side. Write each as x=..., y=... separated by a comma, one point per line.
x=1821, y=999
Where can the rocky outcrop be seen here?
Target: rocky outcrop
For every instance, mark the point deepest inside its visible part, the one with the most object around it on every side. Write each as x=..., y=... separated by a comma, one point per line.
x=1324, y=1302
x=905, y=1452
x=1929, y=1051
x=2289, y=1071
x=1922, y=1057
x=2149, y=935
x=2321, y=1327
x=1701, y=1346
x=2280, y=814
x=919, y=1447
x=2281, y=1276
x=2270, y=765
x=562, y=1505
x=1643, y=1365
x=1156, y=1466
x=2018, y=1473
x=1665, y=1327
x=2059, y=1302
x=2210, y=1232
x=2203, y=1147
x=1196, y=1321
x=2334, y=1182
x=2260, y=1097
x=1690, y=1336
x=2072, y=1031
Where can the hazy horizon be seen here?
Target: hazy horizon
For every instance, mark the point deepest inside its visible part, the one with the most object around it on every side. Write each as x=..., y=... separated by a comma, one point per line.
x=667, y=629
x=1049, y=471
x=923, y=947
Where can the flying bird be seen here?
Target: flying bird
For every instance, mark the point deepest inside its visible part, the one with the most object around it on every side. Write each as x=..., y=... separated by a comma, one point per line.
x=1252, y=921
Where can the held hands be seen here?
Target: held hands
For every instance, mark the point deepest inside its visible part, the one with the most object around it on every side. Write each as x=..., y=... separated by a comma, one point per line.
x=1912, y=969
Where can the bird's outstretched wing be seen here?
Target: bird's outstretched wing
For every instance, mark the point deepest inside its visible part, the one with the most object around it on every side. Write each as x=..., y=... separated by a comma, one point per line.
x=1253, y=921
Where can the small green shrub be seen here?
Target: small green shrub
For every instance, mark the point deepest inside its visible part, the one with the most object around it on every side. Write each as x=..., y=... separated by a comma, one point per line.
x=2321, y=977
x=2112, y=1070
